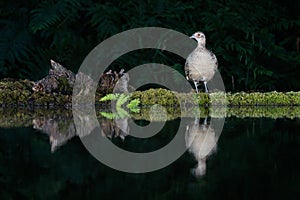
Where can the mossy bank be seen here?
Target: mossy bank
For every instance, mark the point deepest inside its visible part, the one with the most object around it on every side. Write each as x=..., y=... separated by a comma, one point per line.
x=169, y=98
x=20, y=93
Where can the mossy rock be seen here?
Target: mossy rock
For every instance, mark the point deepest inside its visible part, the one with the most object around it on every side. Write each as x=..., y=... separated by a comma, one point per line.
x=165, y=97
x=264, y=99
x=20, y=93
x=221, y=112
x=168, y=98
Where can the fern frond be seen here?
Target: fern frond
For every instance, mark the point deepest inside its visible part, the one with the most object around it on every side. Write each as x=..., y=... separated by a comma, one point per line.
x=51, y=13
x=109, y=115
x=46, y=15
x=110, y=97
x=134, y=105
x=121, y=100
x=122, y=113
x=15, y=42
x=106, y=18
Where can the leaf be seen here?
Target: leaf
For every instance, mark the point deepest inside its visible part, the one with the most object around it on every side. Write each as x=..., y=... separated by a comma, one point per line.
x=110, y=97
x=14, y=43
x=133, y=105
x=121, y=100
x=50, y=13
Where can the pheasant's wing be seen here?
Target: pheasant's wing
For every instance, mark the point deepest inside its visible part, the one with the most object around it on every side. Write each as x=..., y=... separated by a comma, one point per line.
x=186, y=69
x=214, y=59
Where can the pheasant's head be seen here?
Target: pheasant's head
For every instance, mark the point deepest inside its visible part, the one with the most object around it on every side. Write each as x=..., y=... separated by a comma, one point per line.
x=200, y=38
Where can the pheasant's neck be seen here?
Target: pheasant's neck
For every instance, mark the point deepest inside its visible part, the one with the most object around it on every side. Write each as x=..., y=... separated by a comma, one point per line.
x=200, y=47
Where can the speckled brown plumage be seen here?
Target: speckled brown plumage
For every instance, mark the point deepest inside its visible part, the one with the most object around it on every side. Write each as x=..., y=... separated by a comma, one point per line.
x=201, y=64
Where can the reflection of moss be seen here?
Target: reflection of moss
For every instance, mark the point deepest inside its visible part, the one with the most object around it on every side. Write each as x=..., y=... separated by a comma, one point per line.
x=18, y=117
x=264, y=111
x=14, y=118
x=22, y=117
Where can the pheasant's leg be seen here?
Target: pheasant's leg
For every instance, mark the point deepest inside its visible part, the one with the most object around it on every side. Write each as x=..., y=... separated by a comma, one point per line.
x=205, y=85
x=205, y=121
x=196, y=121
x=196, y=86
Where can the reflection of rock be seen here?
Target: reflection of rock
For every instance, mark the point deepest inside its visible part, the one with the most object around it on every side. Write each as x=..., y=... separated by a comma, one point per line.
x=201, y=142
x=114, y=128
x=85, y=120
x=59, y=130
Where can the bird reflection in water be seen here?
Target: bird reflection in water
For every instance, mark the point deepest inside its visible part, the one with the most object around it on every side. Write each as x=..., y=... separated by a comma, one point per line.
x=200, y=137
x=201, y=141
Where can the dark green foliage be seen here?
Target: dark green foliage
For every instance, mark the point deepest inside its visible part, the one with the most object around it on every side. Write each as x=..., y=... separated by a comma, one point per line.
x=254, y=41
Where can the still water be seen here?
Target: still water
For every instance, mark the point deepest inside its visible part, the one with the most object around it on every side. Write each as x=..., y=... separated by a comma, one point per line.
x=253, y=158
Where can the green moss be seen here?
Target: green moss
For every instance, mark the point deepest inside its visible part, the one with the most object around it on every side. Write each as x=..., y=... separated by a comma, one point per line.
x=263, y=99
x=168, y=98
x=156, y=96
x=221, y=112
x=64, y=86
x=13, y=92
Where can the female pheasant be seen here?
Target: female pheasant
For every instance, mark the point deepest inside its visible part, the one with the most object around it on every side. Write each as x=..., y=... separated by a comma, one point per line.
x=201, y=64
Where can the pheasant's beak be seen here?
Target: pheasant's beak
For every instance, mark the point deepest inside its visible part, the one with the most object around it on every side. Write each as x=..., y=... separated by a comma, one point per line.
x=194, y=38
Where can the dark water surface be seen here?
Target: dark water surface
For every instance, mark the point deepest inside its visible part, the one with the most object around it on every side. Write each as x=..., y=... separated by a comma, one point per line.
x=255, y=158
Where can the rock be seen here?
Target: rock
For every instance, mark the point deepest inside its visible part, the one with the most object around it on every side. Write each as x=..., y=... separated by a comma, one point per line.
x=59, y=80
x=116, y=82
